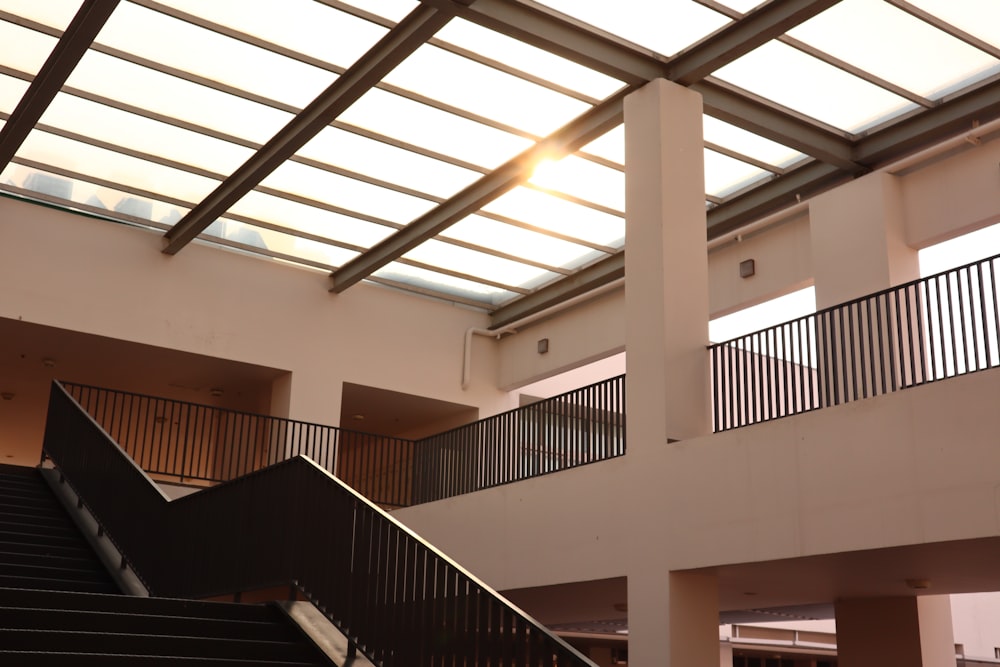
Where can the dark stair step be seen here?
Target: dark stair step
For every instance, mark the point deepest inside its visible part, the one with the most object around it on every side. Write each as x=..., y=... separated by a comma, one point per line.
x=37, y=659
x=54, y=520
x=59, y=584
x=116, y=622
x=65, y=539
x=26, y=546
x=39, y=571
x=25, y=526
x=86, y=562
x=22, y=487
x=52, y=599
x=53, y=641
x=49, y=509
x=18, y=471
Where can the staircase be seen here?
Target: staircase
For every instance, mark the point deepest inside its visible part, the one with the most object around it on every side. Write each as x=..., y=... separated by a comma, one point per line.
x=40, y=547
x=58, y=604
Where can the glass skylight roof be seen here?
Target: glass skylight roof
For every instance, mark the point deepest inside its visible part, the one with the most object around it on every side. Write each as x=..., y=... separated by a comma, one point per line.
x=174, y=96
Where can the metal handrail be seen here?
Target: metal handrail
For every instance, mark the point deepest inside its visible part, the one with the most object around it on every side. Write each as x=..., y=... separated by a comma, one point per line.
x=397, y=599
x=190, y=442
x=925, y=330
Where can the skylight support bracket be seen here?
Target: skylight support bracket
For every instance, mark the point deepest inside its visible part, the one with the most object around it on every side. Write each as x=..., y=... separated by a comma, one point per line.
x=79, y=35
x=401, y=41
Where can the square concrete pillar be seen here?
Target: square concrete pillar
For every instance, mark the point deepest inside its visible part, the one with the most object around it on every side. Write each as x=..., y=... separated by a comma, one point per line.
x=666, y=269
x=913, y=631
x=858, y=240
x=673, y=619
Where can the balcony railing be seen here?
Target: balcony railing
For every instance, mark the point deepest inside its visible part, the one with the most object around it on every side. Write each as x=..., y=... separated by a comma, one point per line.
x=926, y=330
x=190, y=442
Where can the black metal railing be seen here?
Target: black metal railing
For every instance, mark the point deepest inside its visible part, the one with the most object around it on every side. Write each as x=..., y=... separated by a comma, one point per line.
x=188, y=441
x=926, y=330
x=569, y=430
x=395, y=597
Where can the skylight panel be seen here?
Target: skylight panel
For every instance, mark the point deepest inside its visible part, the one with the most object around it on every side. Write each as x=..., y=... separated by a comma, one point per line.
x=311, y=251
x=532, y=246
x=665, y=26
x=303, y=25
x=747, y=143
x=50, y=149
x=527, y=58
x=485, y=91
x=610, y=145
x=742, y=6
x=394, y=10
x=809, y=86
x=548, y=212
x=725, y=175
x=482, y=265
x=32, y=48
x=441, y=283
x=176, y=98
x=389, y=163
x=310, y=220
x=918, y=57
x=583, y=179
x=53, y=13
x=121, y=128
x=440, y=131
x=90, y=196
x=346, y=193
x=980, y=18
x=11, y=92
x=155, y=36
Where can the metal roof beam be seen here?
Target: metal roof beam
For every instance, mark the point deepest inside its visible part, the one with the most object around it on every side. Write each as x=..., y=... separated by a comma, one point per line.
x=764, y=120
x=571, y=39
x=587, y=279
x=793, y=186
x=741, y=37
x=567, y=139
x=918, y=131
x=564, y=36
x=75, y=41
x=408, y=35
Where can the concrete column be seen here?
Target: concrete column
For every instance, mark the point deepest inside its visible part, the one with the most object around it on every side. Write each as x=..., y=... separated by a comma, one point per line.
x=673, y=619
x=859, y=248
x=858, y=240
x=666, y=272
x=304, y=397
x=913, y=631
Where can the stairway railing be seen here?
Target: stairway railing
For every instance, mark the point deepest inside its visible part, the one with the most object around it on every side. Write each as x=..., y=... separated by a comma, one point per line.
x=400, y=601
x=189, y=441
x=937, y=327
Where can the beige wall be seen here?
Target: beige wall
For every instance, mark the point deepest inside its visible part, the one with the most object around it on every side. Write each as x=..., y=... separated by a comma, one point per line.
x=882, y=472
x=87, y=275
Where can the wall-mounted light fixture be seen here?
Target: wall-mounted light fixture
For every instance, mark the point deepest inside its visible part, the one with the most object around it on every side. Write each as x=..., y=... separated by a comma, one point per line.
x=543, y=346
x=747, y=268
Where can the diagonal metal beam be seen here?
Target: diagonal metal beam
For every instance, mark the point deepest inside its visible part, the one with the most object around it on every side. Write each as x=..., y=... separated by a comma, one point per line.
x=408, y=35
x=947, y=119
x=75, y=41
x=741, y=37
x=733, y=107
x=594, y=276
x=546, y=29
x=787, y=189
x=567, y=139
x=564, y=36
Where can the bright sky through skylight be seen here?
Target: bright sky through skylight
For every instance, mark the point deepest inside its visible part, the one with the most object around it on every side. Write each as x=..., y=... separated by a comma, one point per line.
x=174, y=122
